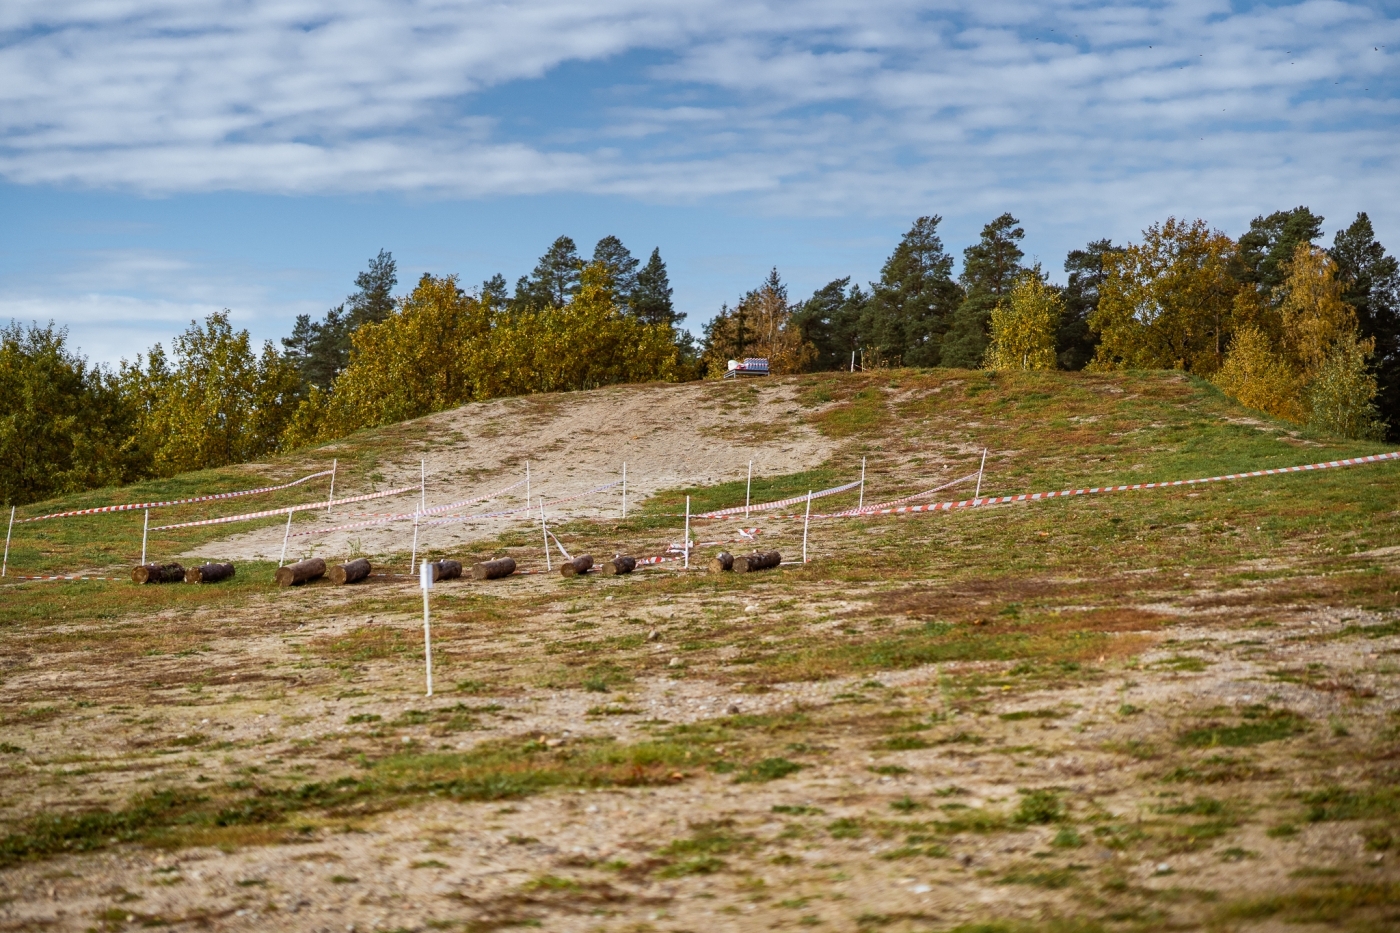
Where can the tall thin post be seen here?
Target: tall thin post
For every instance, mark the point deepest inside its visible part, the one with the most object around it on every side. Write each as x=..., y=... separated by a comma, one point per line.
x=748, y=489
x=853, y=361
x=146, y=527
x=545, y=532
x=281, y=561
x=423, y=485
x=5, y=564
x=806, y=520
x=861, y=503
x=687, y=532
x=330, y=499
x=978, y=494
x=425, y=579
x=624, y=489
x=527, y=482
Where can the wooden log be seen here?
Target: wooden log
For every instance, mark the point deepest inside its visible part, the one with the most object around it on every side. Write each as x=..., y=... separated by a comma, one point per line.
x=209, y=573
x=493, y=569
x=313, y=568
x=352, y=572
x=619, y=565
x=157, y=573
x=722, y=561
x=446, y=570
x=758, y=560
x=576, y=566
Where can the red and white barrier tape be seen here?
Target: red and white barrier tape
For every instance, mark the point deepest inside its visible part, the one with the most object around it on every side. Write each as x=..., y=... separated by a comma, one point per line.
x=742, y=509
x=439, y=509
x=71, y=576
x=927, y=492
x=456, y=519
x=1063, y=493
x=391, y=517
x=133, y=506
x=248, y=516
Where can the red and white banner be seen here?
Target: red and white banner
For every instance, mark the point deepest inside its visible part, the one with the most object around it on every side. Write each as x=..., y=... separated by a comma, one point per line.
x=134, y=506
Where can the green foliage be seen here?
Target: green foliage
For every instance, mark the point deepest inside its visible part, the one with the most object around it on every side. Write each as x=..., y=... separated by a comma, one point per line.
x=1371, y=285
x=990, y=268
x=1024, y=326
x=1260, y=725
x=910, y=307
x=1075, y=342
x=1039, y=807
x=64, y=426
x=831, y=320
x=769, y=769
x=762, y=324
x=321, y=349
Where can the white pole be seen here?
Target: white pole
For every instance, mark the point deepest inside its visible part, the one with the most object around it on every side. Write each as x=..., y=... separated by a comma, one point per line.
x=423, y=485
x=978, y=494
x=5, y=564
x=545, y=531
x=807, y=520
x=281, y=562
x=425, y=579
x=335, y=461
x=527, y=482
x=861, y=503
x=687, y=532
x=413, y=556
x=146, y=527
x=853, y=361
x=747, y=490
x=624, y=489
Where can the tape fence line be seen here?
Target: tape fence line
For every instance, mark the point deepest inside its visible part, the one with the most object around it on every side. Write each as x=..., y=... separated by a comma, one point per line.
x=457, y=519
x=387, y=518
x=927, y=492
x=762, y=506
x=248, y=516
x=133, y=506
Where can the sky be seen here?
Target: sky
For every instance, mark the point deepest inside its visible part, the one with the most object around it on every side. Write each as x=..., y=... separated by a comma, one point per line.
x=163, y=159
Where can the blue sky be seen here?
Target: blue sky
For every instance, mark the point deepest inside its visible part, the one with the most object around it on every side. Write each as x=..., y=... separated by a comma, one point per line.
x=163, y=159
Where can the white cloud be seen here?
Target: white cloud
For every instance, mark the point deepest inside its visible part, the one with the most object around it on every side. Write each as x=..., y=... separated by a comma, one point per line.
x=806, y=108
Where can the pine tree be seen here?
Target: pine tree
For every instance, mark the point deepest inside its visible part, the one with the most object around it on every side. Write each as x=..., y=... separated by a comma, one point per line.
x=375, y=299
x=1270, y=244
x=989, y=269
x=1075, y=341
x=650, y=300
x=909, y=308
x=1371, y=284
x=320, y=350
x=831, y=320
x=612, y=256
x=554, y=281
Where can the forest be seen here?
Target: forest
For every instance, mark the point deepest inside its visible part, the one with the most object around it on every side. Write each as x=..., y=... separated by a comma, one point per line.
x=1302, y=331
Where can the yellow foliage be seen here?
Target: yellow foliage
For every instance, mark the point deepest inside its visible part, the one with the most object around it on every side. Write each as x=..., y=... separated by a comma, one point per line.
x=1342, y=394
x=1257, y=375
x=442, y=347
x=759, y=326
x=1024, y=326
x=1312, y=314
x=1168, y=302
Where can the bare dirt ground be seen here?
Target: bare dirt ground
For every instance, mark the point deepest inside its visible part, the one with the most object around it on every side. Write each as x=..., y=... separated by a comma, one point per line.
x=1113, y=714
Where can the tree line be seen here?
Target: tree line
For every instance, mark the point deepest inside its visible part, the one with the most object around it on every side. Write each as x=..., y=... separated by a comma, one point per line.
x=1293, y=329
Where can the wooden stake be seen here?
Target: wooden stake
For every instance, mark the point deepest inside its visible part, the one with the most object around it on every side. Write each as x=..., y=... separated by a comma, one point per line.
x=806, y=521
x=281, y=561
x=687, y=532
x=545, y=531
x=425, y=579
x=5, y=564
x=330, y=499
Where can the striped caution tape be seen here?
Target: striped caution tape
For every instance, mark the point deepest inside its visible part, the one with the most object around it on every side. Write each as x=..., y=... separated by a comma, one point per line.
x=742, y=509
x=391, y=517
x=918, y=495
x=69, y=576
x=439, y=509
x=1095, y=490
x=248, y=516
x=457, y=519
x=133, y=506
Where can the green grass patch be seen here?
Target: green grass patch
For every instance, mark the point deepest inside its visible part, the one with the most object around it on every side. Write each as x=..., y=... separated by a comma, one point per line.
x=1260, y=725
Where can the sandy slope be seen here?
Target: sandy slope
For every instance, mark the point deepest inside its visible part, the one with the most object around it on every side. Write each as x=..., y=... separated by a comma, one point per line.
x=670, y=435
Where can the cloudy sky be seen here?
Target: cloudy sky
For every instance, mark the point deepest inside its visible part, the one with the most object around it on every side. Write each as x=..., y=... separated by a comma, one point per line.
x=163, y=159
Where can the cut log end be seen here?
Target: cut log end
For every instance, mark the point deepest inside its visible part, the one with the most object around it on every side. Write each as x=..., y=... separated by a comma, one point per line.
x=758, y=560
x=209, y=573
x=493, y=569
x=313, y=568
x=446, y=570
x=722, y=562
x=157, y=573
x=576, y=566
x=619, y=565
x=351, y=572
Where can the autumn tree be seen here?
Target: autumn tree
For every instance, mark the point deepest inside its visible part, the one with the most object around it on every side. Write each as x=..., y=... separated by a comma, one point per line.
x=761, y=325
x=1024, y=325
x=213, y=401
x=1167, y=302
x=1371, y=285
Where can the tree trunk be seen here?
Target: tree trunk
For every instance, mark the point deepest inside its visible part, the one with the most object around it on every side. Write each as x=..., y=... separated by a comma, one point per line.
x=313, y=568
x=494, y=569
x=619, y=565
x=446, y=570
x=209, y=573
x=722, y=561
x=157, y=573
x=758, y=560
x=576, y=566
x=352, y=572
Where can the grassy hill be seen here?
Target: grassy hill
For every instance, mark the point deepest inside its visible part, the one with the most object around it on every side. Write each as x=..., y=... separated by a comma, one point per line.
x=1114, y=712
